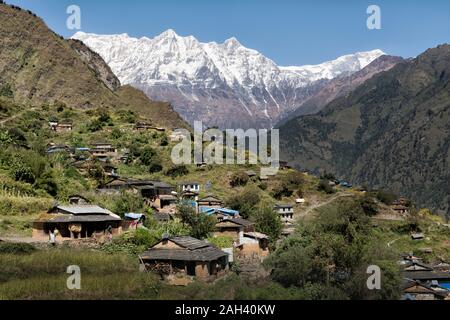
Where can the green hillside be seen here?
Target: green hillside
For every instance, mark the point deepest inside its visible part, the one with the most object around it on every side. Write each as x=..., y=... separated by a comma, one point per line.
x=392, y=132
x=40, y=67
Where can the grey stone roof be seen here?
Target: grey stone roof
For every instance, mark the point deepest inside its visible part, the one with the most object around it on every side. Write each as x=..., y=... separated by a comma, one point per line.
x=192, y=250
x=283, y=206
x=427, y=275
x=82, y=218
x=81, y=210
x=210, y=198
x=189, y=242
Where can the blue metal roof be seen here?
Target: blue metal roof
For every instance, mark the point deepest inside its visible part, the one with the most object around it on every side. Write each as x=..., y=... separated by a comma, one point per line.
x=134, y=216
x=228, y=211
x=209, y=211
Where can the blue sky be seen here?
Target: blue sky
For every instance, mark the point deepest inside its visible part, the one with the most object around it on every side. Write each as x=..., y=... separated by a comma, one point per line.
x=290, y=32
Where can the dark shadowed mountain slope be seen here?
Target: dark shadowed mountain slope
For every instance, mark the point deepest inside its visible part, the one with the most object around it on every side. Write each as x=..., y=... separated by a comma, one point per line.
x=392, y=132
x=341, y=86
x=40, y=67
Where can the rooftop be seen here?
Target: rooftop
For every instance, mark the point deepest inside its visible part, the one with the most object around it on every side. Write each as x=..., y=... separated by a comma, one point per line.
x=210, y=199
x=192, y=250
x=81, y=210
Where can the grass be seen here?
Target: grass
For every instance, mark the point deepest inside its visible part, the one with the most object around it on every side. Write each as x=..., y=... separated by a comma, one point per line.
x=42, y=275
x=436, y=237
x=23, y=206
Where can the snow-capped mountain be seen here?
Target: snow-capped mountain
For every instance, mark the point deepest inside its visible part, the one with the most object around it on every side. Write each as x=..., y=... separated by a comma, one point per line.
x=223, y=84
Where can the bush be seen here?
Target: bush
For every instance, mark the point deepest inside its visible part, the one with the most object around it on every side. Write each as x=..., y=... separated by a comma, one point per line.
x=47, y=183
x=386, y=197
x=221, y=242
x=94, y=125
x=324, y=186
x=177, y=171
x=22, y=172
x=369, y=205
x=16, y=248
x=6, y=91
x=239, y=179
x=245, y=202
x=268, y=222
x=201, y=224
x=164, y=141
x=127, y=116
x=281, y=190
x=116, y=133
x=147, y=155
x=155, y=165
x=128, y=202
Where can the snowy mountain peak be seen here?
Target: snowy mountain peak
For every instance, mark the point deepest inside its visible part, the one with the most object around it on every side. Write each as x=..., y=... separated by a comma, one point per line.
x=208, y=76
x=168, y=34
x=232, y=43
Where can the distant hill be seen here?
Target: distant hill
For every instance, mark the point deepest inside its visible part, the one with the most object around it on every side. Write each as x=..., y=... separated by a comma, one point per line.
x=40, y=67
x=391, y=132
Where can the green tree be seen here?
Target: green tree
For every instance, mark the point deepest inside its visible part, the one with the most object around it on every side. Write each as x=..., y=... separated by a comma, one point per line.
x=201, y=224
x=128, y=202
x=245, y=202
x=268, y=222
x=147, y=155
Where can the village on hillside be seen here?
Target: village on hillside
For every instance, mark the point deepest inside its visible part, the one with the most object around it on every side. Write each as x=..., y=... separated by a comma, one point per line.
x=231, y=238
x=94, y=206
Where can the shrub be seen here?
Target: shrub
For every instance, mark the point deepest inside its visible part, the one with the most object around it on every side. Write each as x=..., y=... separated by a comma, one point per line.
x=127, y=116
x=155, y=165
x=94, y=125
x=221, y=242
x=239, y=179
x=324, y=186
x=201, y=224
x=6, y=91
x=128, y=202
x=116, y=133
x=164, y=141
x=177, y=171
x=22, y=172
x=104, y=117
x=16, y=248
x=281, y=190
x=147, y=155
x=47, y=183
x=386, y=197
x=369, y=205
x=245, y=202
x=268, y=222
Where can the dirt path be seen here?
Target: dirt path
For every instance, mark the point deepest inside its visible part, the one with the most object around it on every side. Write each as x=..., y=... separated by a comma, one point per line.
x=2, y=122
x=20, y=239
x=333, y=198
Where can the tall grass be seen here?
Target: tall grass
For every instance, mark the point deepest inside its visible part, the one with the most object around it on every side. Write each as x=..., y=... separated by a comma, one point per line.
x=42, y=275
x=14, y=205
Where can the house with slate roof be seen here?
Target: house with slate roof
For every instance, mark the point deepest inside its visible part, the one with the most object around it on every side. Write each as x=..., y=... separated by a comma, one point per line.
x=76, y=222
x=185, y=257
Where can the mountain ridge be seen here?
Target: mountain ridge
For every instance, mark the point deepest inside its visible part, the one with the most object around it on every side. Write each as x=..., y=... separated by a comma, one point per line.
x=341, y=86
x=41, y=67
x=223, y=84
x=390, y=132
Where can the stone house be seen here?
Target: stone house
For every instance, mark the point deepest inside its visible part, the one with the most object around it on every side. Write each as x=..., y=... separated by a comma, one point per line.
x=186, y=257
